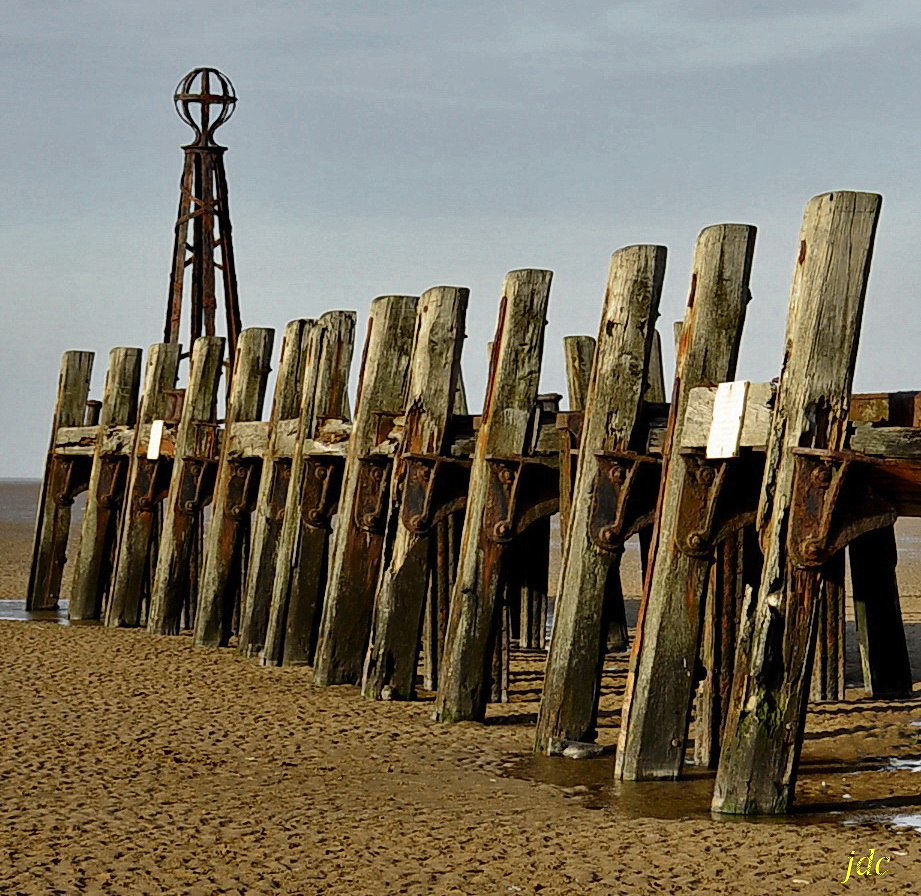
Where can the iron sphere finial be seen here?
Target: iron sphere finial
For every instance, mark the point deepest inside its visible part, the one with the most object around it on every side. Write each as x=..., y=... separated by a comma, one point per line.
x=205, y=88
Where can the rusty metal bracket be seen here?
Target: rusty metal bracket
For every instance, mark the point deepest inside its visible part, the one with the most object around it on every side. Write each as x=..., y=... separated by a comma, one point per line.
x=75, y=478
x=433, y=487
x=153, y=478
x=370, y=508
x=196, y=487
x=320, y=490
x=521, y=491
x=832, y=502
x=246, y=487
x=112, y=478
x=720, y=496
x=624, y=497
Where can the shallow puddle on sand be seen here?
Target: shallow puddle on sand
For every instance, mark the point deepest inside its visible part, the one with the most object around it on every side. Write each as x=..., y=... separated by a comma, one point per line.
x=590, y=784
x=15, y=611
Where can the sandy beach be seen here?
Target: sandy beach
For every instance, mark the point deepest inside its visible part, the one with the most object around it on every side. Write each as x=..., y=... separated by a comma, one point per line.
x=138, y=764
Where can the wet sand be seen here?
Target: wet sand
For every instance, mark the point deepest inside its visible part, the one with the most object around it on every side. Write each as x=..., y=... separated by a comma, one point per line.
x=138, y=764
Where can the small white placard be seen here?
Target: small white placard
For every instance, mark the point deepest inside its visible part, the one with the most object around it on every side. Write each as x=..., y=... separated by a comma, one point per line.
x=156, y=436
x=728, y=414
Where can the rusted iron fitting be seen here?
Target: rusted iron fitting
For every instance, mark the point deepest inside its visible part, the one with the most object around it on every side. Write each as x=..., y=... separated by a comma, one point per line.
x=112, y=481
x=370, y=508
x=245, y=487
x=832, y=502
x=320, y=490
x=73, y=477
x=720, y=496
x=624, y=496
x=432, y=486
x=521, y=491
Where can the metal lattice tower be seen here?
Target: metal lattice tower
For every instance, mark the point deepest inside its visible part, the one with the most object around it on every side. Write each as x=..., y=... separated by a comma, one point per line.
x=204, y=99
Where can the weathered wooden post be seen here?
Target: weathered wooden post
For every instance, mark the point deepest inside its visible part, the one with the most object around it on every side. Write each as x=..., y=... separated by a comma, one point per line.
x=663, y=668
x=358, y=538
x=578, y=353
x=506, y=438
x=390, y=667
x=63, y=478
x=268, y=513
x=764, y=731
x=223, y=570
x=878, y=614
x=98, y=535
x=313, y=492
x=147, y=482
x=194, y=461
x=612, y=413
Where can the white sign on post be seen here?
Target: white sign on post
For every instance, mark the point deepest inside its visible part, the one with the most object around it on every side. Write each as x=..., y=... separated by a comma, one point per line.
x=728, y=415
x=156, y=436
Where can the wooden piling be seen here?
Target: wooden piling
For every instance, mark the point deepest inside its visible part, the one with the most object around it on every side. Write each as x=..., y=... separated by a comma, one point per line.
x=578, y=353
x=106, y=491
x=764, y=731
x=303, y=543
x=614, y=404
x=147, y=480
x=507, y=431
x=663, y=670
x=60, y=480
x=357, y=542
x=226, y=540
x=194, y=459
x=273, y=489
x=878, y=614
x=393, y=654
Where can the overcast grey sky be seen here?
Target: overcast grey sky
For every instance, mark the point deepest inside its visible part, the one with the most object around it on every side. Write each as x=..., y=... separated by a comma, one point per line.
x=385, y=147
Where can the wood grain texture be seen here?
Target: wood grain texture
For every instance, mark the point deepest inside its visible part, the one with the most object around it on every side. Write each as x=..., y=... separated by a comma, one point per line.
x=757, y=769
x=102, y=514
x=356, y=552
x=614, y=403
x=393, y=652
x=223, y=568
x=173, y=585
x=661, y=680
x=136, y=541
x=507, y=429
x=52, y=522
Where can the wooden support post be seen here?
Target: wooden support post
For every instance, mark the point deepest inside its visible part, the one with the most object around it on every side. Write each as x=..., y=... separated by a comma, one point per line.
x=764, y=731
x=880, y=632
x=530, y=564
x=147, y=480
x=223, y=570
x=578, y=352
x=579, y=640
x=303, y=545
x=194, y=460
x=60, y=479
x=393, y=654
x=507, y=430
x=828, y=665
x=273, y=490
x=106, y=492
x=358, y=538
x=655, y=379
x=663, y=669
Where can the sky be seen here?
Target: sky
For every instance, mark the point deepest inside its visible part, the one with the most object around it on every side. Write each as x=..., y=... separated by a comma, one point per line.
x=386, y=147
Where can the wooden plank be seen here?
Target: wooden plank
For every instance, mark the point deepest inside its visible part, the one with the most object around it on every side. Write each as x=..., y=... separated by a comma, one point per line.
x=662, y=680
x=355, y=554
x=273, y=489
x=177, y=558
x=507, y=430
x=106, y=492
x=52, y=523
x=878, y=614
x=223, y=569
x=573, y=675
x=757, y=769
x=303, y=549
x=136, y=550
x=393, y=654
